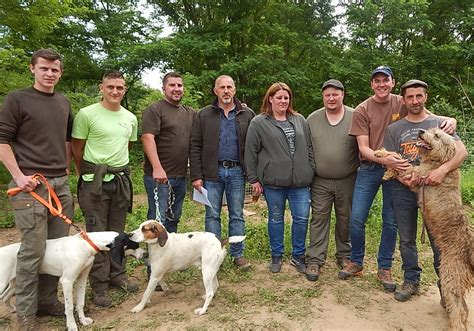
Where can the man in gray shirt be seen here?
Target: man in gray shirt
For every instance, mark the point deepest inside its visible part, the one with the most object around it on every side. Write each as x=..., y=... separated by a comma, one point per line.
x=337, y=157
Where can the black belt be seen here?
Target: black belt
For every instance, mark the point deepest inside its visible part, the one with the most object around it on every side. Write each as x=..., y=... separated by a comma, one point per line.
x=229, y=164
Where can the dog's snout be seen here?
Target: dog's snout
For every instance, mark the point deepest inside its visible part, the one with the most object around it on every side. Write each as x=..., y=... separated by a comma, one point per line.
x=421, y=132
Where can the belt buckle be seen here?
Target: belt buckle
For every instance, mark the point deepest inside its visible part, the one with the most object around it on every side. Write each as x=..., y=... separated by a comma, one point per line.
x=226, y=164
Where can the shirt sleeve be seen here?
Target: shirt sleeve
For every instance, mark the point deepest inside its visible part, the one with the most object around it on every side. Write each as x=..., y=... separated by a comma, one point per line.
x=151, y=120
x=134, y=134
x=80, y=128
x=10, y=119
x=360, y=124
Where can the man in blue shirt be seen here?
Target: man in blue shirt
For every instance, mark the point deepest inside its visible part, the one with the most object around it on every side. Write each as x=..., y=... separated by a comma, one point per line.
x=217, y=160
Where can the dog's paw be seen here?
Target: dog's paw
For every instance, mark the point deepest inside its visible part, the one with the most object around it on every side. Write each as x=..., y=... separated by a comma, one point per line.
x=138, y=308
x=86, y=321
x=72, y=327
x=199, y=311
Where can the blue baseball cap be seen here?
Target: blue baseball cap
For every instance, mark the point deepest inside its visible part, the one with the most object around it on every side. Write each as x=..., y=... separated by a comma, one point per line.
x=382, y=70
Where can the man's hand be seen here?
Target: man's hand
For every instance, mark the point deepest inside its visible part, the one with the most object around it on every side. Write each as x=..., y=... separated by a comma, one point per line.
x=197, y=184
x=26, y=183
x=436, y=176
x=159, y=175
x=448, y=125
x=410, y=180
x=257, y=189
x=396, y=163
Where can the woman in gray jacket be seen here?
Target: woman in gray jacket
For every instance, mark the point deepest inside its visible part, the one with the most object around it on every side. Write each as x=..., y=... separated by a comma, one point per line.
x=279, y=162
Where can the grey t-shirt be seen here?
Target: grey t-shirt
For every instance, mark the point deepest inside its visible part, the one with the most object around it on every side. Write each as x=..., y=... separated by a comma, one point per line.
x=289, y=131
x=402, y=137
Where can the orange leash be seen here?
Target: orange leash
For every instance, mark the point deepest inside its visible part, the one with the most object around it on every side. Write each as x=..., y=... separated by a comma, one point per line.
x=55, y=211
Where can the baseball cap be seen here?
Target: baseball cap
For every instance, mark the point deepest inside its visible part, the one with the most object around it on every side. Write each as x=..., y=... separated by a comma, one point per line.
x=333, y=83
x=382, y=70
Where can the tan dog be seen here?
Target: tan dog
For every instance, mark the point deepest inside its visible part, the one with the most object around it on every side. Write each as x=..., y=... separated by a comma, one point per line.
x=391, y=173
x=443, y=214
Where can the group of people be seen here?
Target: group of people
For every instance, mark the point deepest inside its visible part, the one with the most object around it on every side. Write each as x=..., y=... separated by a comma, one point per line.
x=313, y=164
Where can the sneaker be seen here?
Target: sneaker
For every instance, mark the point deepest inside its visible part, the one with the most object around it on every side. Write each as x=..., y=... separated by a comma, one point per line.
x=342, y=263
x=312, y=272
x=350, y=270
x=299, y=263
x=126, y=285
x=275, y=265
x=407, y=290
x=55, y=309
x=385, y=277
x=101, y=299
x=26, y=323
x=242, y=263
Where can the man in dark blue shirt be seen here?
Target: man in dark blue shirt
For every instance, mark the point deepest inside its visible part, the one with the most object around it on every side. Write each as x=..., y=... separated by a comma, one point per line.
x=217, y=164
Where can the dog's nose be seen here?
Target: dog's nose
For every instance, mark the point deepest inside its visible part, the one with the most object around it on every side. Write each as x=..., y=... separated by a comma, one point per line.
x=421, y=132
x=130, y=234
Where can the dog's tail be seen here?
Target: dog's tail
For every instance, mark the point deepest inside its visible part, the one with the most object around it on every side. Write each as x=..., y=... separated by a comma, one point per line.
x=232, y=240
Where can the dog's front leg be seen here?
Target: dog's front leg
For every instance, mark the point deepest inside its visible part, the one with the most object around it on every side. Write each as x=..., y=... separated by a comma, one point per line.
x=67, y=285
x=148, y=292
x=81, y=295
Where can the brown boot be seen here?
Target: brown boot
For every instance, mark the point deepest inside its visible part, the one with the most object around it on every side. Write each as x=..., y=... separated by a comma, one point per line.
x=26, y=323
x=385, y=277
x=101, y=299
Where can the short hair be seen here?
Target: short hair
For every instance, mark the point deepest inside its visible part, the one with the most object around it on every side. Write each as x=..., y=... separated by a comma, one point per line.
x=48, y=54
x=171, y=74
x=272, y=90
x=113, y=74
x=222, y=77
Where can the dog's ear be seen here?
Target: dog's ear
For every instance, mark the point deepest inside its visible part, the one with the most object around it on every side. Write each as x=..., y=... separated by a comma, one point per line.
x=162, y=236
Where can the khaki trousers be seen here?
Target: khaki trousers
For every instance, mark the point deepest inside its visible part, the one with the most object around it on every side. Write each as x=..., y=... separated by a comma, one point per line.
x=36, y=225
x=324, y=194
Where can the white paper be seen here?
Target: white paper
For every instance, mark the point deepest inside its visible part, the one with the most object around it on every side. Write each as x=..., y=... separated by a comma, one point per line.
x=201, y=197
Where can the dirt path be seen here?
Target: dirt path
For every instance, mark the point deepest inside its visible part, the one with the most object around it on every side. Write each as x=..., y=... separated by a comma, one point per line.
x=258, y=300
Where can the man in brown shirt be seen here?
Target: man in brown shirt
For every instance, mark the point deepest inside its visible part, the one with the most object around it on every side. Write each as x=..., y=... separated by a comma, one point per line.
x=35, y=135
x=369, y=123
x=166, y=128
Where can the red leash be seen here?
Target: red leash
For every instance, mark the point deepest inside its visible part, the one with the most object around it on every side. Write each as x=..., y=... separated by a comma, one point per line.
x=55, y=211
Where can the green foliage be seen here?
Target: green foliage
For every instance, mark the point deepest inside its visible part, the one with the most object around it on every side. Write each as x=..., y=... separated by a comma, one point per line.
x=467, y=186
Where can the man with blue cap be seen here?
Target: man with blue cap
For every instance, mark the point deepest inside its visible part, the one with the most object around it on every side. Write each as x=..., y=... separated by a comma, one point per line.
x=369, y=123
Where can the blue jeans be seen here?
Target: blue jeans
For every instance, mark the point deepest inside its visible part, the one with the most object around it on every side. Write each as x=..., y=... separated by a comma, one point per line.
x=299, y=199
x=179, y=188
x=368, y=181
x=232, y=182
x=406, y=215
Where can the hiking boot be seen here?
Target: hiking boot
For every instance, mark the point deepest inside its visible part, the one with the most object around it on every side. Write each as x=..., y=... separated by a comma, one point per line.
x=312, y=272
x=352, y=269
x=299, y=263
x=275, y=265
x=126, y=286
x=55, y=309
x=385, y=277
x=342, y=263
x=442, y=302
x=242, y=263
x=101, y=299
x=407, y=290
x=26, y=323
